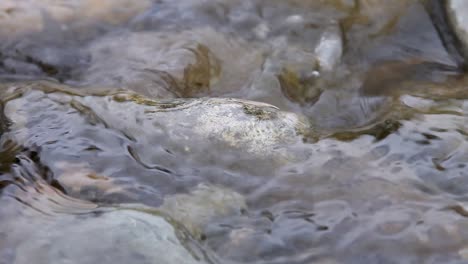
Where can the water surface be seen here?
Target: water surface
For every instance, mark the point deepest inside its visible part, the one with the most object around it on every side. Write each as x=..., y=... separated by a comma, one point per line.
x=351, y=148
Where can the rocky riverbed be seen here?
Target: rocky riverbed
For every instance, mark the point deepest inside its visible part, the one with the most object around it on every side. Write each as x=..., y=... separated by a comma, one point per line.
x=233, y=131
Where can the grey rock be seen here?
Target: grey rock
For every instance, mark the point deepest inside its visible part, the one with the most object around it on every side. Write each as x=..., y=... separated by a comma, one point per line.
x=205, y=202
x=164, y=64
x=122, y=236
x=253, y=127
x=164, y=146
x=19, y=17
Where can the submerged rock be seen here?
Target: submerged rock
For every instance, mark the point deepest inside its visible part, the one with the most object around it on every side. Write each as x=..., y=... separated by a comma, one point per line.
x=42, y=223
x=250, y=126
x=204, y=203
x=204, y=61
x=121, y=236
x=163, y=64
x=392, y=166
x=163, y=146
x=19, y=17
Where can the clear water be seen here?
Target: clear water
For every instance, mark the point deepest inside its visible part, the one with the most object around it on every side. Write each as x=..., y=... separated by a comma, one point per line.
x=375, y=173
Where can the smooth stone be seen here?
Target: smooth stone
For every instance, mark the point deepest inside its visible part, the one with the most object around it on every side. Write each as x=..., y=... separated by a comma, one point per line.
x=190, y=63
x=122, y=236
x=19, y=17
x=256, y=128
x=212, y=136
x=205, y=202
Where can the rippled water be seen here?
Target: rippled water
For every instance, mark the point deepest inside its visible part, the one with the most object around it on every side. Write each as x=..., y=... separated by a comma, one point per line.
x=333, y=132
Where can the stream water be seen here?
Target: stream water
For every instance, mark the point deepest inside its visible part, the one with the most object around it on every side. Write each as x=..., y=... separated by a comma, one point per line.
x=232, y=131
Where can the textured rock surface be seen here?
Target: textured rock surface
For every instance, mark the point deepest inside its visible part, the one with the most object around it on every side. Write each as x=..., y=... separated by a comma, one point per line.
x=151, y=139
x=251, y=126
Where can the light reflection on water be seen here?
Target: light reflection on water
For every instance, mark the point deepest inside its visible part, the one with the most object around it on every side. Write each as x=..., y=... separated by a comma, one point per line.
x=362, y=158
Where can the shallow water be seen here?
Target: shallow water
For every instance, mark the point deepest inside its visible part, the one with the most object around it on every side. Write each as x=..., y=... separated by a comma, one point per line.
x=342, y=124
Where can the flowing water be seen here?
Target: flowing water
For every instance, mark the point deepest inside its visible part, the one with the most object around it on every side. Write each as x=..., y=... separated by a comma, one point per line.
x=262, y=131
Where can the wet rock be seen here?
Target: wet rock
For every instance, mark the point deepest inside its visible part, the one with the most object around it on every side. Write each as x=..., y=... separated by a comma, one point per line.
x=80, y=179
x=302, y=37
x=45, y=224
x=204, y=203
x=20, y=17
x=300, y=89
x=289, y=74
x=46, y=38
x=338, y=110
x=296, y=73
x=382, y=30
x=457, y=11
x=253, y=20
x=376, y=16
x=166, y=65
x=150, y=138
x=390, y=170
x=255, y=127
x=34, y=58
x=122, y=236
x=196, y=62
